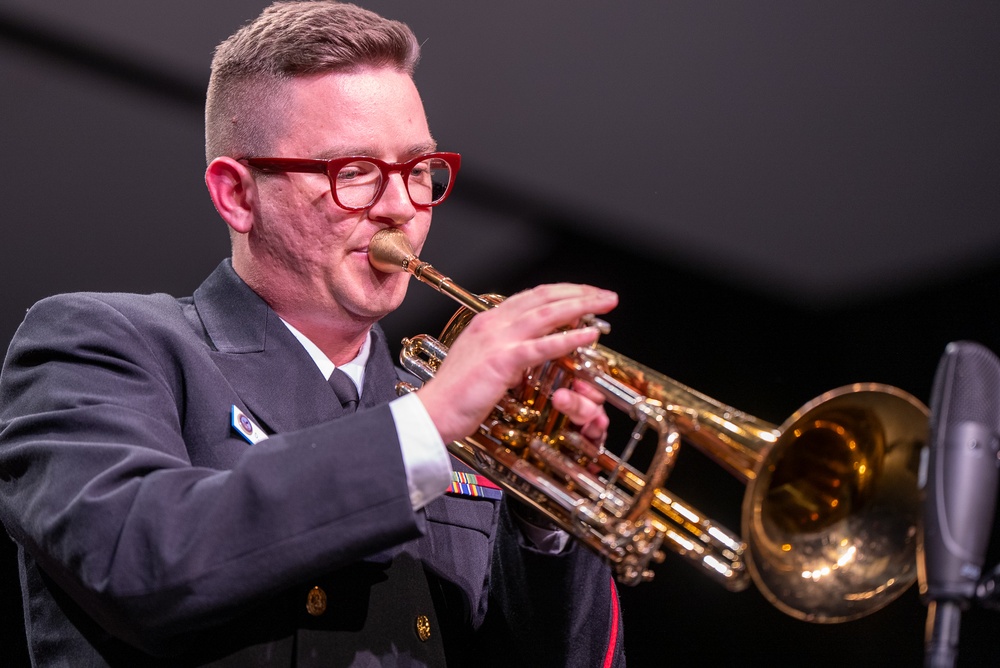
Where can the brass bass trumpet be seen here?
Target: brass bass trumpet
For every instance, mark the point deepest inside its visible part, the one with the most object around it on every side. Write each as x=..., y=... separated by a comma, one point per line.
x=831, y=507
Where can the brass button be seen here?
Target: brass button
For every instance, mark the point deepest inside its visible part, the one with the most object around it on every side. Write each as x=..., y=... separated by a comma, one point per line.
x=316, y=602
x=423, y=628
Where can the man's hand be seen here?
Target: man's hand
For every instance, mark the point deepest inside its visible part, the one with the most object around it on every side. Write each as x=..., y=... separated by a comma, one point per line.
x=584, y=406
x=493, y=351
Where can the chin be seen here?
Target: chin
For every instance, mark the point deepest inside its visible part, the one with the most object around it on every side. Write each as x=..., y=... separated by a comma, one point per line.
x=381, y=299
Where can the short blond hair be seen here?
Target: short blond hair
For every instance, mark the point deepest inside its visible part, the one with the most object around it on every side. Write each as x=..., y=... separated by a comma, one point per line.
x=287, y=40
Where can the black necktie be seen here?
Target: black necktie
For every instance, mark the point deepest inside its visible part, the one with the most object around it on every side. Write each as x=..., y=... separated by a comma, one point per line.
x=345, y=390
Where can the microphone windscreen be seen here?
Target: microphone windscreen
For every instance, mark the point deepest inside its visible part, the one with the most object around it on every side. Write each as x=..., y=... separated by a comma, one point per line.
x=966, y=386
x=962, y=470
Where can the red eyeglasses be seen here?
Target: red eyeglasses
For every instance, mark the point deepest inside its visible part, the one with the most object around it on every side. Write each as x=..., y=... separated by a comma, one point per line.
x=357, y=182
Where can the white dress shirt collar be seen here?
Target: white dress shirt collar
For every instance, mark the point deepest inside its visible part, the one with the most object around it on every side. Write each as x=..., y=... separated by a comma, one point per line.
x=355, y=369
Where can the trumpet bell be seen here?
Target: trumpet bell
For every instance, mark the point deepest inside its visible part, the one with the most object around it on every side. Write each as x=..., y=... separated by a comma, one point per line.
x=831, y=517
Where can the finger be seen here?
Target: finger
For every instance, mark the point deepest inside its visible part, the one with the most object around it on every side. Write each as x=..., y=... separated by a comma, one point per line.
x=544, y=348
x=549, y=307
x=579, y=409
x=551, y=292
x=566, y=309
x=586, y=389
x=588, y=415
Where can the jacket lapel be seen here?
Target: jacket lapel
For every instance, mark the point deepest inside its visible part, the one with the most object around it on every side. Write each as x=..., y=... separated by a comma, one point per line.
x=264, y=363
x=380, y=373
x=268, y=368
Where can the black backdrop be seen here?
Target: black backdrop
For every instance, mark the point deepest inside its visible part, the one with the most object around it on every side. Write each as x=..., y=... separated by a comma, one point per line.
x=757, y=353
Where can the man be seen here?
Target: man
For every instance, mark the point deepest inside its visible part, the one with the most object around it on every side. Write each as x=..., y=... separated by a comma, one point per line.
x=185, y=487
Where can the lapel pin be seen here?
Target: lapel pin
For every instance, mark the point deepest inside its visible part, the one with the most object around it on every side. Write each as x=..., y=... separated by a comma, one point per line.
x=246, y=428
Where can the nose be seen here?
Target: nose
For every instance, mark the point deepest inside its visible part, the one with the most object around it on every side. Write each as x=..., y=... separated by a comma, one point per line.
x=394, y=206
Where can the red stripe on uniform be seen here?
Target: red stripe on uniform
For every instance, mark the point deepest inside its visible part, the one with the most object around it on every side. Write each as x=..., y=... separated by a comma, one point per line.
x=613, y=636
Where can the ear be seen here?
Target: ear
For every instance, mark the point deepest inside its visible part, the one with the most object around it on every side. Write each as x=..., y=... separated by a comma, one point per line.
x=233, y=192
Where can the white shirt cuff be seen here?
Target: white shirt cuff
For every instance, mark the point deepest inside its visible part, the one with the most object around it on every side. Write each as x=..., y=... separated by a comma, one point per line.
x=425, y=457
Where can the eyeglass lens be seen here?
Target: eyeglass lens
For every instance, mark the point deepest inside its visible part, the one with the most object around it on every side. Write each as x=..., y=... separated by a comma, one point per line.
x=358, y=182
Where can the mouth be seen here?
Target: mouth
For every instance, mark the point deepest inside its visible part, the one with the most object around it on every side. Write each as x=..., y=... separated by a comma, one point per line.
x=363, y=257
x=389, y=251
x=361, y=254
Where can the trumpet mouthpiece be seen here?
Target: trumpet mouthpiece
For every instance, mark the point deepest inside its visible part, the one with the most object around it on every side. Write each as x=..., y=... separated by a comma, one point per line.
x=390, y=251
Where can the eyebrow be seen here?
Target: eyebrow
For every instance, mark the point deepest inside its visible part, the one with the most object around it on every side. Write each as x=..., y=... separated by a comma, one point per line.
x=342, y=151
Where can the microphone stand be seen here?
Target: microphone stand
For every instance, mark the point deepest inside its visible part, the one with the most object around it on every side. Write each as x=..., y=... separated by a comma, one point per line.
x=943, y=620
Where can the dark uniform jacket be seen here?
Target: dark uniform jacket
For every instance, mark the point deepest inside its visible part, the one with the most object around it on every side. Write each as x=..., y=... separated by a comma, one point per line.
x=151, y=532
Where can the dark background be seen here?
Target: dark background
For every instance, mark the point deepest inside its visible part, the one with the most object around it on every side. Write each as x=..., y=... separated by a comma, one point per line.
x=787, y=198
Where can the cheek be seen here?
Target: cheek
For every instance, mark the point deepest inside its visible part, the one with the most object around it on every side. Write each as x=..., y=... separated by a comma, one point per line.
x=308, y=233
x=291, y=243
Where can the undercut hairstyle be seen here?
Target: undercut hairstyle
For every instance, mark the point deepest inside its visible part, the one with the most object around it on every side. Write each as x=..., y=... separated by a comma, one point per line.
x=292, y=39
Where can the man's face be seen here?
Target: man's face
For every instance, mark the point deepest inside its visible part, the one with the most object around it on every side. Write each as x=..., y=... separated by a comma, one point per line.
x=307, y=256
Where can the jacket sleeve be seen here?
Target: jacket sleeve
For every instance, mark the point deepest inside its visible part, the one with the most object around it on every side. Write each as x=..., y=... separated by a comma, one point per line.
x=97, y=485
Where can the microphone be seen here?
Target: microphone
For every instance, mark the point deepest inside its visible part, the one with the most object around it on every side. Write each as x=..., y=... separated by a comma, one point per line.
x=960, y=488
